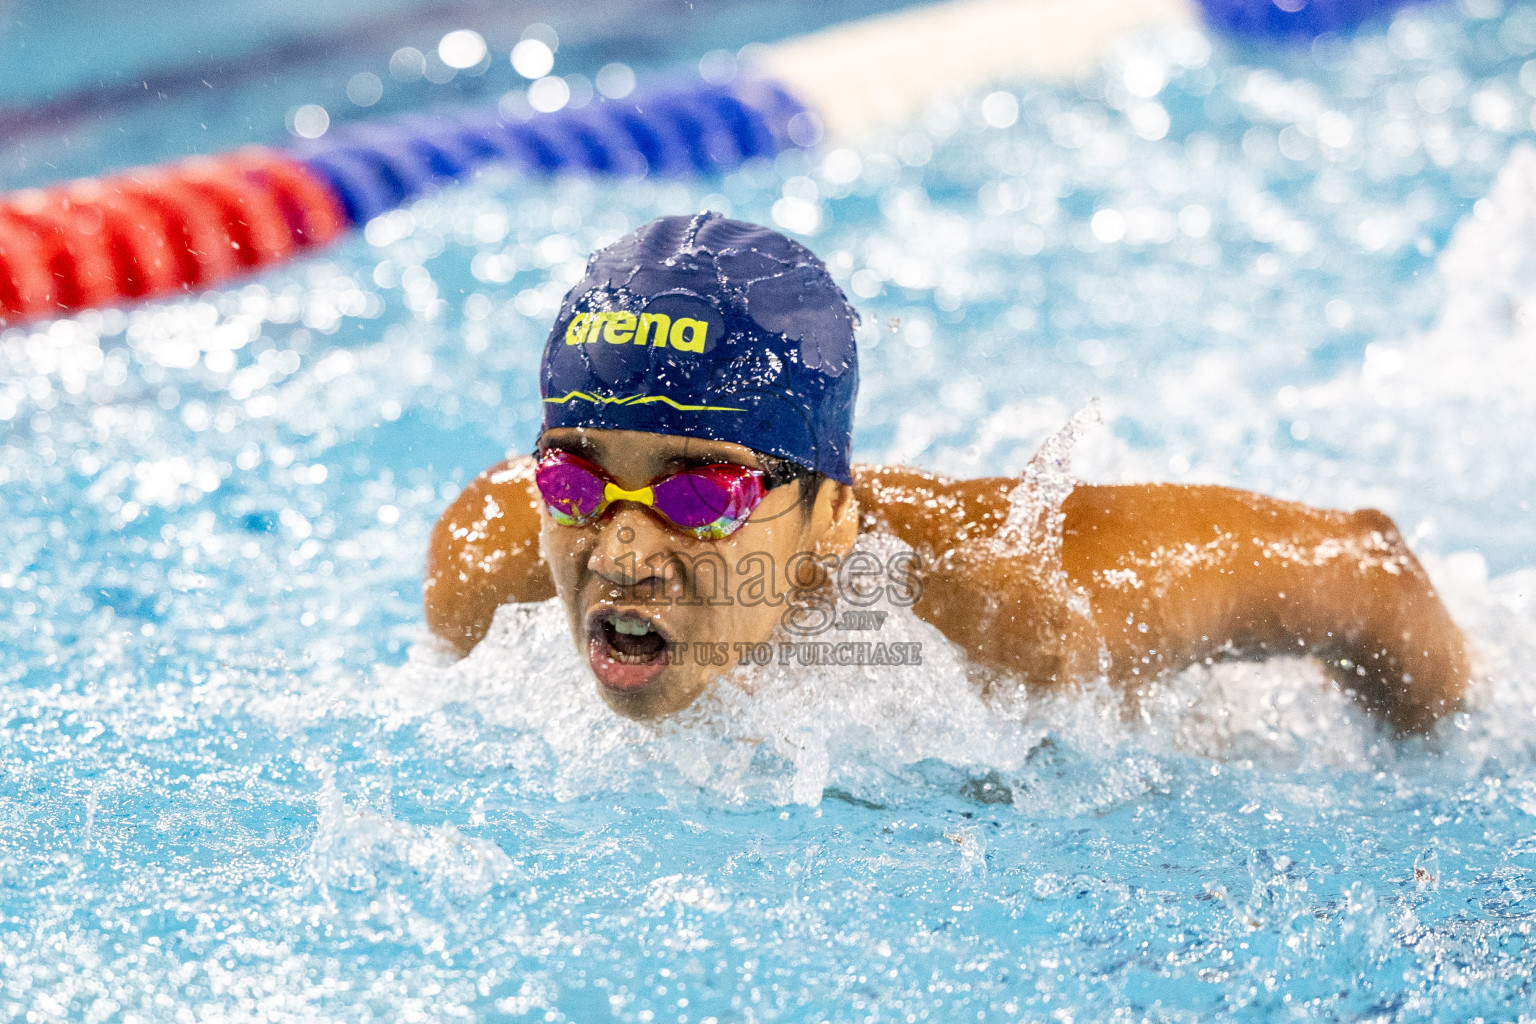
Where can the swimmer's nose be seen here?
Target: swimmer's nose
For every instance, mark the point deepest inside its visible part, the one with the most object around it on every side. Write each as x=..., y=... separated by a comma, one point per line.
x=631, y=548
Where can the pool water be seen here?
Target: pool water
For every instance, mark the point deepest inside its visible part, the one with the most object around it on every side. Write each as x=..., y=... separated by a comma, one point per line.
x=237, y=782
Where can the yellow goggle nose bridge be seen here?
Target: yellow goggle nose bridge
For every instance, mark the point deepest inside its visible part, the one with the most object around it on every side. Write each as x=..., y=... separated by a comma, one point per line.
x=613, y=492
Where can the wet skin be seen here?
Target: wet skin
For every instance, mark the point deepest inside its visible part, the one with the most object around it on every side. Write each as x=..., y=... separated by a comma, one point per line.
x=1168, y=576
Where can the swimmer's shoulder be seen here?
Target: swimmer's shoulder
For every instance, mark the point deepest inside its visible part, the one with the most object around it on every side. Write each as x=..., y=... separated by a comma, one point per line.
x=929, y=509
x=503, y=497
x=484, y=552
x=925, y=508
x=1141, y=513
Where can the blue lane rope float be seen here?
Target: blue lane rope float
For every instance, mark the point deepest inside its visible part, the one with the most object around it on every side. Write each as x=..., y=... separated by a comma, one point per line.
x=202, y=222
x=1294, y=20
x=680, y=128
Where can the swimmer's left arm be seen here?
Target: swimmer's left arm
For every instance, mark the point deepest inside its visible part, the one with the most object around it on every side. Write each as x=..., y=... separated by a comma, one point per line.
x=1178, y=574
x=1175, y=575
x=484, y=552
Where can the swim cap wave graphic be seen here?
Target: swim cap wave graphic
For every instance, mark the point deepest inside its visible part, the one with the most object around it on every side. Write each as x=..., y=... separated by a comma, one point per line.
x=713, y=328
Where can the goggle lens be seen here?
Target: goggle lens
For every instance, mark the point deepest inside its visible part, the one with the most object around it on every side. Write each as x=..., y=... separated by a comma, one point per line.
x=573, y=493
x=710, y=502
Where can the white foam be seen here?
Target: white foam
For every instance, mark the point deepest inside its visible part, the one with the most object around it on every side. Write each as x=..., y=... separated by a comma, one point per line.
x=1470, y=381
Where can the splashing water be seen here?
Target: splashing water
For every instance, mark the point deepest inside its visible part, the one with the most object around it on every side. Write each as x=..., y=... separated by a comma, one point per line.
x=1035, y=516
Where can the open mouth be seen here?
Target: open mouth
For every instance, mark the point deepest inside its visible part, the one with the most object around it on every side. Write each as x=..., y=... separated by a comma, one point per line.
x=625, y=650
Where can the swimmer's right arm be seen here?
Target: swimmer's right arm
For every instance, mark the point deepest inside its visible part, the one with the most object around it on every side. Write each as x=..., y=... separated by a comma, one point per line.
x=484, y=552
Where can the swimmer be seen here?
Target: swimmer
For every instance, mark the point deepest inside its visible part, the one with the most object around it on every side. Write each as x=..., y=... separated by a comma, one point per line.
x=693, y=475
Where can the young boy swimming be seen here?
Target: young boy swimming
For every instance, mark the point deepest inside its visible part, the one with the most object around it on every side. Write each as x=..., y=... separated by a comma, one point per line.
x=692, y=486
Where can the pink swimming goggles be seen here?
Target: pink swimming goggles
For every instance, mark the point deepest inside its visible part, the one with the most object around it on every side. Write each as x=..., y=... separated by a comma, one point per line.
x=709, y=502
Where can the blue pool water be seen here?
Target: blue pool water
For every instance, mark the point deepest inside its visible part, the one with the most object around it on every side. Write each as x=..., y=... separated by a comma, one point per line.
x=236, y=783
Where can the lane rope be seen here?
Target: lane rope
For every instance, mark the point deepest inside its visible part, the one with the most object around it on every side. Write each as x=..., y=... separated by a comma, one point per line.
x=206, y=221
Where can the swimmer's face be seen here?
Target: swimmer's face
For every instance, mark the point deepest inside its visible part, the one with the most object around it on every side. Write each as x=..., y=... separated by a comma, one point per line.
x=642, y=595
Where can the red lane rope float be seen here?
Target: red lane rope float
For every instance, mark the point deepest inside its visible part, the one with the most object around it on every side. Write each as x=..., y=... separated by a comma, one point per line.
x=193, y=227
x=26, y=281
x=75, y=268
x=135, y=237
x=158, y=230
x=315, y=215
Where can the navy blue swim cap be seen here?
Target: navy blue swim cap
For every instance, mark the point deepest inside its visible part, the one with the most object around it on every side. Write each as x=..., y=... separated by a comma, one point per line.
x=711, y=328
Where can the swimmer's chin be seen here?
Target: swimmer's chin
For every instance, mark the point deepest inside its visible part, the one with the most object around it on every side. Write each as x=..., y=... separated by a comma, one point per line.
x=664, y=694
